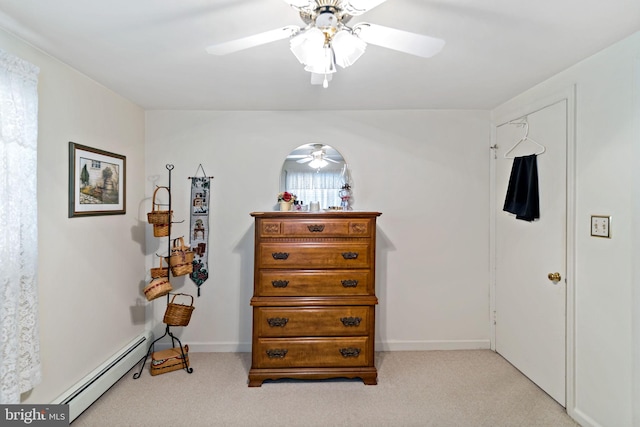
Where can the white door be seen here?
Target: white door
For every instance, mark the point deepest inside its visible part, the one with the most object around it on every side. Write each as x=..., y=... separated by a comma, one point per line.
x=530, y=317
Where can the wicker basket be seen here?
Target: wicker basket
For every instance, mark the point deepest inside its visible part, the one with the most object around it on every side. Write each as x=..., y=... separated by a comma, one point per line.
x=169, y=360
x=178, y=314
x=157, y=288
x=156, y=216
x=181, y=259
x=160, y=230
x=159, y=271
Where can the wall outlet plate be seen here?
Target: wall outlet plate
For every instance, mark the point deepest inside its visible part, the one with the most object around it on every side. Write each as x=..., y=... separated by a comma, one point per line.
x=601, y=226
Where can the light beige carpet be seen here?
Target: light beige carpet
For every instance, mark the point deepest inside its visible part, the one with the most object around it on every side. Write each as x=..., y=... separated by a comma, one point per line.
x=428, y=388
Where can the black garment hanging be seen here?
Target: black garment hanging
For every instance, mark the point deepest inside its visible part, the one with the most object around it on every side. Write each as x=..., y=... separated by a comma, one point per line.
x=522, y=193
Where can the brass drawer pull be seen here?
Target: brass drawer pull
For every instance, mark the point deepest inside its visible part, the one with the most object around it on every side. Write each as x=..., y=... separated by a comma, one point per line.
x=351, y=321
x=350, y=352
x=278, y=322
x=279, y=283
x=349, y=283
x=349, y=255
x=277, y=353
x=316, y=228
x=280, y=255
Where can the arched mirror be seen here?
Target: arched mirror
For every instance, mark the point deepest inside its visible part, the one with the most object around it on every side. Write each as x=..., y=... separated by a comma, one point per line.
x=316, y=173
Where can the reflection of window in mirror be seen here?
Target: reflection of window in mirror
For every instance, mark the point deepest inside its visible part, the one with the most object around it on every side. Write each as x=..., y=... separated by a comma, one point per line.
x=314, y=172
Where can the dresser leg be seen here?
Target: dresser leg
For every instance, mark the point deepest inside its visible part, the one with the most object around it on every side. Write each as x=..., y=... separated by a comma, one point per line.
x=370, y=380
x=255, y=383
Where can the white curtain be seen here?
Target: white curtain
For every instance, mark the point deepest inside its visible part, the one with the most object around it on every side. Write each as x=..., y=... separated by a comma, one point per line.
x=19, y=343
x=315, y=187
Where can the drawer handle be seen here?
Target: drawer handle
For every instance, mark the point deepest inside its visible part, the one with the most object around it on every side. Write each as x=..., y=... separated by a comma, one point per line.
x=349, y=255
x=349, y=283
x=278, y=322
x=316, y=228
x=351, y=321
x=279, y=283
x=280, y=255
x=277, y=353
x=357, y=228
x=350, y=352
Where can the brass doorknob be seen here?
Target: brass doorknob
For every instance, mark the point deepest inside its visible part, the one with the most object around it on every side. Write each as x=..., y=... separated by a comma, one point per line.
x=554, y=277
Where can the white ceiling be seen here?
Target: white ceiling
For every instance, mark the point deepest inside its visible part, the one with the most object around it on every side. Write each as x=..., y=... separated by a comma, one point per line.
x=153, y=51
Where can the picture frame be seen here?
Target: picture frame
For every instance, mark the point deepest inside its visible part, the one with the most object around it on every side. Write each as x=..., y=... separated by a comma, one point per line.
x=97, y=182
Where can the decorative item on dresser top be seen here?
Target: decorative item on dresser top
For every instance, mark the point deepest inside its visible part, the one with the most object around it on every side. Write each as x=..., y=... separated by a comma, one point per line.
x=314, y=296
x=286, y=200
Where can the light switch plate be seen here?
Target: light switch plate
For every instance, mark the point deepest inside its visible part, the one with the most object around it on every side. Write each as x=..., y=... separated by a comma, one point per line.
x=601, y=226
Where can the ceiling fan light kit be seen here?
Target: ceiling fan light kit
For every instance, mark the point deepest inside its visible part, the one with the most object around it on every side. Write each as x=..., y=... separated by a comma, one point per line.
x=348, y=48
x=317, y=158
x=326, y=40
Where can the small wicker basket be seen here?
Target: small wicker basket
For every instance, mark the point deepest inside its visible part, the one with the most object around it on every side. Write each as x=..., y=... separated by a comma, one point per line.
x=181, y=259
x=157, y=216
x=159, y=271
x=160, y=230
x=178, y=314
x=169, y=360
x=157, y=287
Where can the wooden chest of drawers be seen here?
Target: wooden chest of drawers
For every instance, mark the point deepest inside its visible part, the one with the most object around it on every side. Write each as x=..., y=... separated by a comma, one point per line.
x=314, y=296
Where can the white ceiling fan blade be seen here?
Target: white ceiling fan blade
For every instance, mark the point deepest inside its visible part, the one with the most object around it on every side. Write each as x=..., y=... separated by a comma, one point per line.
x=331, y=160
x=300, y=4
x=252, y=41
x=305, y=160
x=358, y=7
x=403, y=41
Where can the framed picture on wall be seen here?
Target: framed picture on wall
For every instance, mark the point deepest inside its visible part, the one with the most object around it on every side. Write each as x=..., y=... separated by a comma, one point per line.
x=97, y=182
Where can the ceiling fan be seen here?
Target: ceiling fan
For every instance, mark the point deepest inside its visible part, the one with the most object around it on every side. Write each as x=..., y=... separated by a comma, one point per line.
x=317, y=158
x=326, y=40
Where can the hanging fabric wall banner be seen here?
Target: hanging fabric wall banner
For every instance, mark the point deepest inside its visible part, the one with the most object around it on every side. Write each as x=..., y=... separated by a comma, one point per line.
x=200, y=188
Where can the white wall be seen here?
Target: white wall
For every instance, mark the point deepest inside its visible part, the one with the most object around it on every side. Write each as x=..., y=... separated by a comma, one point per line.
x=90, y=269
x=426, y=171
x=607, y=140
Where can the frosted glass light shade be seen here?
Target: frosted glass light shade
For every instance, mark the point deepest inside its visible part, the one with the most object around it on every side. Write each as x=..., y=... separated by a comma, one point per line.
x=318, y=163
x=348, y=48
x=324, y=63
x=307, y=46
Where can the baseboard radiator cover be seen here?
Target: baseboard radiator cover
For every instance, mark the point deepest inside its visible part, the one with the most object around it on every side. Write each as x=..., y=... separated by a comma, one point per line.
x=89, y=389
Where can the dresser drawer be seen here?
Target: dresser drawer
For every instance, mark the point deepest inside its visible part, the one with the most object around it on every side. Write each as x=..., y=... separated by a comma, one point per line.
x=314, y=255
x=287, y=283
x=311, y=352
x=312, y=321
x=316, y=228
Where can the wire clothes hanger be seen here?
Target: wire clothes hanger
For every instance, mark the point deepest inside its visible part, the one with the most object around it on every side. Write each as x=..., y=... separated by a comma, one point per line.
x=525, y=123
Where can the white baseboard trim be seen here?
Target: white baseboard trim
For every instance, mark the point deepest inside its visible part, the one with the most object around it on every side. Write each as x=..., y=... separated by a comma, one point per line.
x=200, y=347
x=86, y=391
x=581, y=418
x=234, y=347
x=433, y=345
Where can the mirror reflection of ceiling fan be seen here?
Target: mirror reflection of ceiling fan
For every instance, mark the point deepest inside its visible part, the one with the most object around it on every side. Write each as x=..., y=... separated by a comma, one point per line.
x=327, y=41
x=318, y=158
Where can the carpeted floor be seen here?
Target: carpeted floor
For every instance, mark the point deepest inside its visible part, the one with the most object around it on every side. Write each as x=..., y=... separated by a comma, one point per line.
x=427, y=388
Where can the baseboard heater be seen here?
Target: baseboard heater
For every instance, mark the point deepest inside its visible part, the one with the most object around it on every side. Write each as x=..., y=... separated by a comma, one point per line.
x=90, y=388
